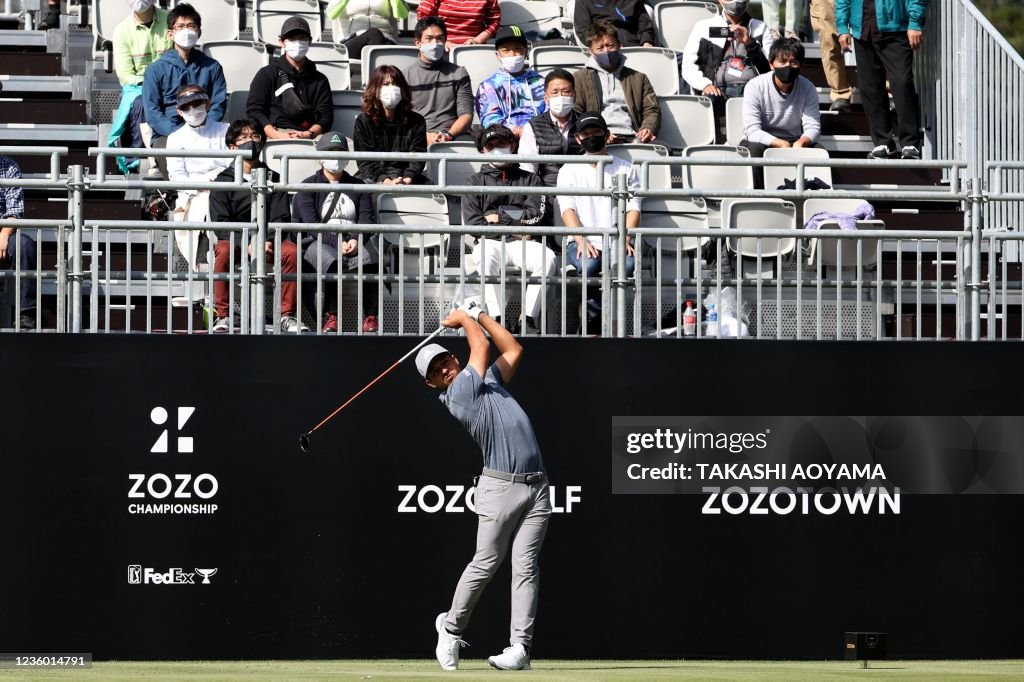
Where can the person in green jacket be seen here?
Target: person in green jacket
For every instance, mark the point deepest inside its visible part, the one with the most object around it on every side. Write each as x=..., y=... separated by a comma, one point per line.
x=885, y=34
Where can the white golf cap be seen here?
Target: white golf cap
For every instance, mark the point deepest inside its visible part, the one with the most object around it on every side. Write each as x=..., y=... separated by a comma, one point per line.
x=427, y=354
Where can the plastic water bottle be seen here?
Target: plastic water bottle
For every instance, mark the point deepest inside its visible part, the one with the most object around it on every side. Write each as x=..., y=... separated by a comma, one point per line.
x=689, y=320
x=712, y=320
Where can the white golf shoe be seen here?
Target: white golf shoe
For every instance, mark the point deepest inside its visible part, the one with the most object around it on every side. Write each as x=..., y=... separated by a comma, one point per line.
x=512, y=658
x=447, y=650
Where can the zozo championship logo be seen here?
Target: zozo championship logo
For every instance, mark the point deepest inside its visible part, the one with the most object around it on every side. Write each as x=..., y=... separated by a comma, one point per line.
x=174, y=493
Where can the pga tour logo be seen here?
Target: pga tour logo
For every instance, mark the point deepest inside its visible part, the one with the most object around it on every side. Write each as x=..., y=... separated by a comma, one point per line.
x=137, y=575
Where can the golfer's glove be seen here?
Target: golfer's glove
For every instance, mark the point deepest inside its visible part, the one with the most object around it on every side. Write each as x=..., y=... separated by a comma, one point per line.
x=472, y=309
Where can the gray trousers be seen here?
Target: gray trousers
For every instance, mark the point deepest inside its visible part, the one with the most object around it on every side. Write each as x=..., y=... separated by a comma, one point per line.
x=515, y=513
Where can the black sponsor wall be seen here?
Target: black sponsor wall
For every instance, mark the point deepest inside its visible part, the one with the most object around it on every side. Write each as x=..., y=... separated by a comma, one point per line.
x=314, y=559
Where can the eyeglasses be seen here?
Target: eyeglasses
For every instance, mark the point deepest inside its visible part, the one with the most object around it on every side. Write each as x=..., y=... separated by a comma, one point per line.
x=247, y=137
x=179, y=27
x=192, y=105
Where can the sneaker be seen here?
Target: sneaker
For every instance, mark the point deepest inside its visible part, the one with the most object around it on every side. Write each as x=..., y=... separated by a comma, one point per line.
x=792, y=35
x=51, y=19
x=221, y=324
x=370, y=324
x=512, y=658
x=28, y=321
x=292, y=325
x=447, y=650
x=911, y=152
x=530, y=327
x=882, y=151
x=331, y=325
x=841, y=105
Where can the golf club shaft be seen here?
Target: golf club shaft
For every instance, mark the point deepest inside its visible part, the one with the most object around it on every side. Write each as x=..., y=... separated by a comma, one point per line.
x=381, y=376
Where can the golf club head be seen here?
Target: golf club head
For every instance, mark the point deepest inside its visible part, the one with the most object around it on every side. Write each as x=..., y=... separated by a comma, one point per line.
x=304, y=443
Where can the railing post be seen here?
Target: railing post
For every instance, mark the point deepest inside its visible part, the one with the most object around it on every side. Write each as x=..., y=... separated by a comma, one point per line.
x=975, y=196
x=621, y=195
x=78, y=227
x=260, y=187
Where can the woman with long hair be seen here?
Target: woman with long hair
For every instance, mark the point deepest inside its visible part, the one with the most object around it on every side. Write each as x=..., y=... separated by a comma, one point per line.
x=388, y=124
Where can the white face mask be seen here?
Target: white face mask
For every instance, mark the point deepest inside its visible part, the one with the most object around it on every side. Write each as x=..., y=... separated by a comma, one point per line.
x=513, y=64
x=500, y=157
x=432, y=51
x=390, y=96
x=140, y=6
x=560, y=106
x=186, y=38
x=296, y=49
x=195, y=117
x=332, y=165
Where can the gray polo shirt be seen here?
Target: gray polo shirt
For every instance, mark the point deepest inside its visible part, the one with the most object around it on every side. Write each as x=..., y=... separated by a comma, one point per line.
x=495, y=421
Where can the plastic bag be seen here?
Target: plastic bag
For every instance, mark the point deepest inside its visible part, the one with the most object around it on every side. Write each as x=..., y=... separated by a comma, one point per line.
x=732, y=318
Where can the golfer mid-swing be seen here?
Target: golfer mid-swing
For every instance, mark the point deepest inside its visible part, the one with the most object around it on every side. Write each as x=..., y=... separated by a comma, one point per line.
x=512, y=502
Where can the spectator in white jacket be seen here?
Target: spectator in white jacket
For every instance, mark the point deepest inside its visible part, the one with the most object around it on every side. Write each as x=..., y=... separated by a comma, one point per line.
x=197, y=133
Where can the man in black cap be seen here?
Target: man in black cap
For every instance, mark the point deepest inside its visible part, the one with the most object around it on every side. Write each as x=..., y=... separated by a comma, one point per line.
x=520, y=251
x=514, y=94
x=583, y=251
x=321, y=251
x=288, y=97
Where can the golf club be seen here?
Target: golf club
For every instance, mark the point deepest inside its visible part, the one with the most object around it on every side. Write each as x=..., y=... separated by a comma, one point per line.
x=304, y=438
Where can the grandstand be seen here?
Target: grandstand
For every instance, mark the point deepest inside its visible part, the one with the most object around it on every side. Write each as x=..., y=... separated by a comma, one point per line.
x=940, y=259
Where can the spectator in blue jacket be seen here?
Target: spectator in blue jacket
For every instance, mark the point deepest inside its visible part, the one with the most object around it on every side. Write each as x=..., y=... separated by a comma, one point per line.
x=176, y=68
x=884, y=34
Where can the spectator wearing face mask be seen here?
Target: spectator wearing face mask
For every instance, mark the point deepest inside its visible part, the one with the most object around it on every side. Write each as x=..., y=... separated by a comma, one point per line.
x=138, y=41
x=720, y=68
x=236, y=206
x=441, y=91
x=324, y=251
x=583, y=251
x=524, y=252
x=515, y=93
x=625, y=98
x=551, y=132
x=175, y=68
x=366, y=22
x=388, y=124
x=288, y=97
x=198, y=133
x=780, y=108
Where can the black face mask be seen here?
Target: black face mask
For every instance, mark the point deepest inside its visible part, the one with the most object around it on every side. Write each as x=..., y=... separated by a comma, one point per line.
x=255, y=149
x=610, y=60
x=593, y=144
x=787, y=74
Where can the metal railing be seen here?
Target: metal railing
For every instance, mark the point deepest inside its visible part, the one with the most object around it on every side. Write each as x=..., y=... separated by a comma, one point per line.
x=971, y=83
x=934, y=288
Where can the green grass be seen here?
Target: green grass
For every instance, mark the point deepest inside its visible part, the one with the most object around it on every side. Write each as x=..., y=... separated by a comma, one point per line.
x=477, y=669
